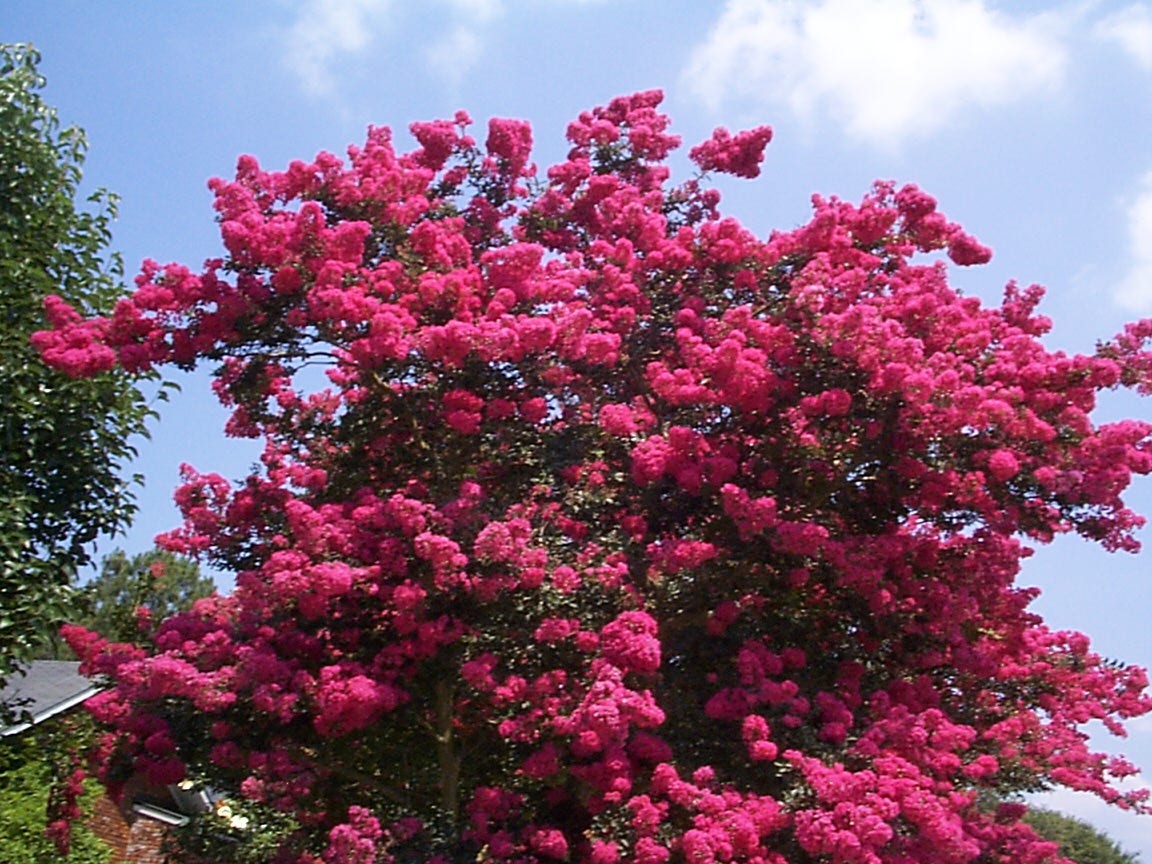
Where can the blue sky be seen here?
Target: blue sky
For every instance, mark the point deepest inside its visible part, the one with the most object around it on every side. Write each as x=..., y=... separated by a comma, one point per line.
x=1030, y=121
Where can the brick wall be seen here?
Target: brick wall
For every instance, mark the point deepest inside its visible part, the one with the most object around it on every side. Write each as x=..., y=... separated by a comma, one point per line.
x=146, y=844
x=134, y=839
x=109, y=824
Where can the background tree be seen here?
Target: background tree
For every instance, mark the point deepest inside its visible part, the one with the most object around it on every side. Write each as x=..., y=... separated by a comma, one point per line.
x=130, y=593
x=615, y=533
x=1079, y=841
x=64, y=442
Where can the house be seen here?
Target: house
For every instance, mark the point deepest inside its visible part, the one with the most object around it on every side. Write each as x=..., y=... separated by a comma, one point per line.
x=136, y=826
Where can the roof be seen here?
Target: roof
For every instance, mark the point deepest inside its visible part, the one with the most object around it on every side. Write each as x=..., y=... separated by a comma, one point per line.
x=47, y=688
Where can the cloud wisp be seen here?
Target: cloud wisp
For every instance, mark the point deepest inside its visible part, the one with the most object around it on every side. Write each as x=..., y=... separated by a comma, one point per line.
x=327, y=31
x=887, y=70
x=1131, y=29
x=325, y=35
x=455, y=54
x=1134, y=291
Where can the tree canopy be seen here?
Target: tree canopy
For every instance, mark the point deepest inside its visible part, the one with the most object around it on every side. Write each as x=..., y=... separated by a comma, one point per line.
x=131, y=594
x=64, y=441
x=614, y=532
x=1078, y=840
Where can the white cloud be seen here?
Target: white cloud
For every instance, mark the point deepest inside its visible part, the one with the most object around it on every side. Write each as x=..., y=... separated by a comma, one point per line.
x=452, y=57
x=1131, y=29
x=888, y=70
x=325, y=37
x=1135, y=288
x=329, y=30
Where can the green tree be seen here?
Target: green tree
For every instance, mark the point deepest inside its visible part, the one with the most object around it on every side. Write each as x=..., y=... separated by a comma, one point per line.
x=28, y=764
x=1078, y=840
x=64, y=442
x=159, y=581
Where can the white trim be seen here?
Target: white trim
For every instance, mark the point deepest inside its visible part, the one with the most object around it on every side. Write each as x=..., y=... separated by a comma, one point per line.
x=160, y=814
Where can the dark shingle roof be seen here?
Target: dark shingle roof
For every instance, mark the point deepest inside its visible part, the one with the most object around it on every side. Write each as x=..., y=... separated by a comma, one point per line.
x=47, y=688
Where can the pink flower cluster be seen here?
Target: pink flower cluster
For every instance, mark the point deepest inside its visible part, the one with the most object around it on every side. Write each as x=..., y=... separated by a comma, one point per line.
x=739, y=154
x=614, y=532
x=354, y=841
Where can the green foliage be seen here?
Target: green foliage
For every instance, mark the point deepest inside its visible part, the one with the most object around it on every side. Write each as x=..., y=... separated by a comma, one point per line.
x=234, y=830
x=159, y=581
x=25, y=780
x=63, y=442
x=1078, y=840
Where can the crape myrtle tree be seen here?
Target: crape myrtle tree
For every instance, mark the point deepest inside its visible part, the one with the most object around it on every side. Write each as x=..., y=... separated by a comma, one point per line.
x=63, y=441
x=615, y=533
